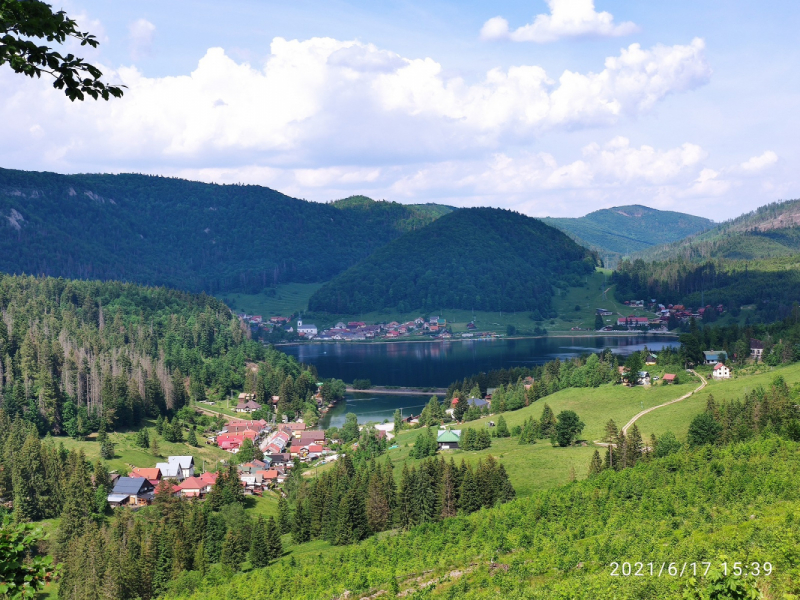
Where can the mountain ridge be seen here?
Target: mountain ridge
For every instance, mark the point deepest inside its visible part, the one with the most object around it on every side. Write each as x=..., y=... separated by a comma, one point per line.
x=621, y=230
x=185, y=234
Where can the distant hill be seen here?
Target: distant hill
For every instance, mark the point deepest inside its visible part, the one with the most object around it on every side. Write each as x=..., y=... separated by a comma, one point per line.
x=753, y=260
x=473, y=258
x=185, y=234
x=770, y=231
x=623, y=230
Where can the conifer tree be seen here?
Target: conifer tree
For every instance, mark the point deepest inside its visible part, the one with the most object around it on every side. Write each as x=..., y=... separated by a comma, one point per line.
x=192, y=439
x=634, y=446
x=284, y=516
x=469, y=496
x=301, y=523
x=449, y=500
x=160, y=425
x=502, y=428
x=547, y=423
x=273, y=537
x=259, y=547
x=200, y=562
x=230, y=555
x=611, y=431
x=596, y=466
x=154, y=449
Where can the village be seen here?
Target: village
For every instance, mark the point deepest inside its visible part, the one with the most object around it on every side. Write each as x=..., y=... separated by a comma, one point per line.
x=433, y=327
x=276, y=449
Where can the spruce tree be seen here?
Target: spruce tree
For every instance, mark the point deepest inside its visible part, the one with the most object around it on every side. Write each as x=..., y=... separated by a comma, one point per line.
x=284, y=516
x=502, y=428
x=160, y=425
x=469, y=496
x=154, y=449
x=273, y=537
x=230, y=555
x=611, y=431
x=192, y=439
x=259, y=547
x=301, y=523
x=596, y=466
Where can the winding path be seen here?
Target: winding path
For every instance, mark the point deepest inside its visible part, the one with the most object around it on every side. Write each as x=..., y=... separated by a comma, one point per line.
x=630, y=423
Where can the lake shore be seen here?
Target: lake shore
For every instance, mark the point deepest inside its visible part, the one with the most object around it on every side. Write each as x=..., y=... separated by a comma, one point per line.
x=398, y=391
x=558, y=335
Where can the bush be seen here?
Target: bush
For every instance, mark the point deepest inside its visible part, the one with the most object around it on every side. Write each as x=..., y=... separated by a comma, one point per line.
x=362, y=384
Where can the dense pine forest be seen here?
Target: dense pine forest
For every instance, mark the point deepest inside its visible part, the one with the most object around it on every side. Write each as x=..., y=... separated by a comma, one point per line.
x=78, y=355
x=184, y=234
x=476, y=258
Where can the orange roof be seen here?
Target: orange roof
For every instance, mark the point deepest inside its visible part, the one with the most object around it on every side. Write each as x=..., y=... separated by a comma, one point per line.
x=270, y=474
x=191, y=483
x=147, y=473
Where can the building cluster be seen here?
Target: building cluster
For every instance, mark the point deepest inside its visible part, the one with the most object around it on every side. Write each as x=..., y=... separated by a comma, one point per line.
x=355, y=331
x=663, y=314
x=281, y=447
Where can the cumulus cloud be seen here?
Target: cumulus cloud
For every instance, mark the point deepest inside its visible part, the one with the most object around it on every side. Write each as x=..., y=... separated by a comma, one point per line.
x=322, y=101
x=140, y=38
x=756, y=164
x=567, y=19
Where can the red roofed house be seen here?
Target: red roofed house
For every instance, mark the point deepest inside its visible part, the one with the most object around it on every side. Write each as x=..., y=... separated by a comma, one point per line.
x=721, y=372
x=191, y=487
x=669, y=378
x=296, y=450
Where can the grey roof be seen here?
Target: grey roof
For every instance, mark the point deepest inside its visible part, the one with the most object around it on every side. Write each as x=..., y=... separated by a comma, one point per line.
x=480, y=403
x=132, y=486
x=117, y=497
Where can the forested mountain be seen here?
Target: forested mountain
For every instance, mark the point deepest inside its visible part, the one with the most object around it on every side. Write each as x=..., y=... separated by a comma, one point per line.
x=78, y=355
x=750, y=260
x=769, y=231
x=625, y=229
x=184, y=234
x=476, y=258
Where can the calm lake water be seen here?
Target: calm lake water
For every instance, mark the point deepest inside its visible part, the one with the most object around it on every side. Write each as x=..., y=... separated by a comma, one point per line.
x=438, y=364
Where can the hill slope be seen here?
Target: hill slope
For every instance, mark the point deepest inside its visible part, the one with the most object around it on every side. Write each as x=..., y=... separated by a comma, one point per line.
x=195, y=236
x=769, y=231
x=476, y=258
x=689, y=507
x=626, y=229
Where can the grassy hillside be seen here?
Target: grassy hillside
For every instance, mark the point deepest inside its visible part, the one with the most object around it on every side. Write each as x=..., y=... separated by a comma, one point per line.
x=185, y=234
x=735, y=504
x=478, y=258
x=623, y=230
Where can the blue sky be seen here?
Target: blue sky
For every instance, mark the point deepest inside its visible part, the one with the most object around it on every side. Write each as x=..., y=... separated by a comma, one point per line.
x=550, y=108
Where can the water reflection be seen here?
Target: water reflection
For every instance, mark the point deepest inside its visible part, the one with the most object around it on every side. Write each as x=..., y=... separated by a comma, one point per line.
x=437, y=364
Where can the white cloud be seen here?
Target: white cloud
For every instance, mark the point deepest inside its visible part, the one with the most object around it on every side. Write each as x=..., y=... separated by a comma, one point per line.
x=140, y=38
x=756, y=164
x=324, y=102
x=567, y=18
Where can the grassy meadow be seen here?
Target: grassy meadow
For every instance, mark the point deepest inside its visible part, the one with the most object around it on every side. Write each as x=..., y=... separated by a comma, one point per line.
x=128, y=455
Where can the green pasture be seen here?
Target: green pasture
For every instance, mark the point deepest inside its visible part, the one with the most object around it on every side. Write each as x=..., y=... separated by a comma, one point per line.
x=128, y=455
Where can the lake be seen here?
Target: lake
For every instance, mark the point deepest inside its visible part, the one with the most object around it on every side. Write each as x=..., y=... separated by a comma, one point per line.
x=438, y=364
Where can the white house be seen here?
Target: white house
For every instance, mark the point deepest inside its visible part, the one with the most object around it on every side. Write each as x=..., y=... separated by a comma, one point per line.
x=177, y=467
x=721, y=371
x=307, y=329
